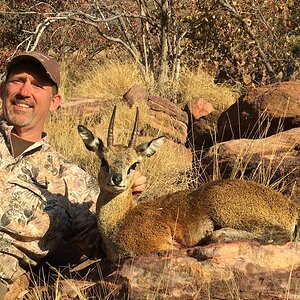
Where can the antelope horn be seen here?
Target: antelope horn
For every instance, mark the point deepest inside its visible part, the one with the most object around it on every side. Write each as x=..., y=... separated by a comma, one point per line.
x=132, y=140
x=110, y=135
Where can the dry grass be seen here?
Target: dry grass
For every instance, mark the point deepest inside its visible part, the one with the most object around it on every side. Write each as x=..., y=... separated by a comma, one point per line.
x=201, y=85
x=66, y=283
x=109, y=80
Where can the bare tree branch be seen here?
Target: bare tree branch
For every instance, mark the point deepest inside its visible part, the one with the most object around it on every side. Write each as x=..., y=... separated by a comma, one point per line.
x=133, y=30
x=248, y=30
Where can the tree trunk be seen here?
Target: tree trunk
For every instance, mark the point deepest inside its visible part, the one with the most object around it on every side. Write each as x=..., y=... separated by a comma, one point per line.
x=163, y=63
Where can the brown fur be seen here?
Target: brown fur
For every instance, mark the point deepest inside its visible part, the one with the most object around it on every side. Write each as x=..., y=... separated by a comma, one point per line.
x=189, y=217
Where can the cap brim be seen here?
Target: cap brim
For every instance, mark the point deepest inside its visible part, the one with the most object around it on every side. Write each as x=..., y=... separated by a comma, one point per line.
x=27, y=58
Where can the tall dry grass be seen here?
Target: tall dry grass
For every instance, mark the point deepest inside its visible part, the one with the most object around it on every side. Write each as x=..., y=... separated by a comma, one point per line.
x=199, y=84
x=111, y=78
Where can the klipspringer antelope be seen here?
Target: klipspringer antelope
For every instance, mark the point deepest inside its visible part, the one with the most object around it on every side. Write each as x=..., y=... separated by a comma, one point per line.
x=185, y=218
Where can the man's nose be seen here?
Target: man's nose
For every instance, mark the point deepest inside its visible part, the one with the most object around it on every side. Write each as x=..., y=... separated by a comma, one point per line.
x=26, y=89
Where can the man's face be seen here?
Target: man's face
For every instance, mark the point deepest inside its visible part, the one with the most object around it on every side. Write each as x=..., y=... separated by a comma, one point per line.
x=27, y=97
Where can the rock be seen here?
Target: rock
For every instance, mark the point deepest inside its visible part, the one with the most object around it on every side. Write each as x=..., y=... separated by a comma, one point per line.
x=198, y=107
x=160, y=123
x=271, y=159
x=155, y=103
x=87, y=107
x=235, y=270
x=165, y=118
x=262, y=112
x=216, y=271
x=135, y=94
x=202, y=132
x=166, y=106
x=19, y=288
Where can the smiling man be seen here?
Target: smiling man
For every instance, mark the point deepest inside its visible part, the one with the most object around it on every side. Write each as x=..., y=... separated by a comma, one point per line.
x=30, y=93
x=47, y=203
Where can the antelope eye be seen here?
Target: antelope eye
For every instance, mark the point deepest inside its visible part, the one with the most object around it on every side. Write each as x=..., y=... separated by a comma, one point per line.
x=104, y=164
x=132, y=167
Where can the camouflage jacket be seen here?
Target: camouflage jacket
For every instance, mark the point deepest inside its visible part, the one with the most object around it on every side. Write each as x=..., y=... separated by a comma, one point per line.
x=47, y=207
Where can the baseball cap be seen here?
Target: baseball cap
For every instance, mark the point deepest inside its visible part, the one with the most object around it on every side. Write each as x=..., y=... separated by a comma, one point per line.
x=49, y=64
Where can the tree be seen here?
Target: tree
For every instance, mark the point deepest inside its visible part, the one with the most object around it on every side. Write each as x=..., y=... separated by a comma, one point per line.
x=150, y=31
x=238, y=41
x=246, y=42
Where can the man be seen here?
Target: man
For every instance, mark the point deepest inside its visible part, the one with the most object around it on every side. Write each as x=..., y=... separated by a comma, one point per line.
x=47, y=203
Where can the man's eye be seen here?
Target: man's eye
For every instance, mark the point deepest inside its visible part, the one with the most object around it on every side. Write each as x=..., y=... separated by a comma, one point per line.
x=104, y=164
x=37, y=85
x=16, y=81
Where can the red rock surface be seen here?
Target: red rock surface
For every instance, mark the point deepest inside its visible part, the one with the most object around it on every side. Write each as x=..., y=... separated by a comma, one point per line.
x=262, y=111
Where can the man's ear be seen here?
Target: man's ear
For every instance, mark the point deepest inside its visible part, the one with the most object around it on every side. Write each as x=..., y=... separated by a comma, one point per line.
x=2, y=89
x=55, y=103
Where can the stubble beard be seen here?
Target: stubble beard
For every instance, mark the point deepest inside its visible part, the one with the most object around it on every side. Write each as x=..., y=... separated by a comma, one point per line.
x=18, y=118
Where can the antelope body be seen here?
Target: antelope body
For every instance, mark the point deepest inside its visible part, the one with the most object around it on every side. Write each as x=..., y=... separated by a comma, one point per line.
x=185, y=218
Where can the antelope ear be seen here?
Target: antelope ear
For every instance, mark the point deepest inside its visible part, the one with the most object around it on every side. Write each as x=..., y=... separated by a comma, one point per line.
x=91, y=142
x=148, y=149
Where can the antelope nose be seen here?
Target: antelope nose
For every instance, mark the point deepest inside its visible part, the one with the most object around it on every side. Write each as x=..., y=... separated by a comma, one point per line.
x=117, y=179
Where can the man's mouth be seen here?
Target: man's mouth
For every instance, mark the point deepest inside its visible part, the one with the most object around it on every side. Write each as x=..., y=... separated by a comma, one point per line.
x=22, y=104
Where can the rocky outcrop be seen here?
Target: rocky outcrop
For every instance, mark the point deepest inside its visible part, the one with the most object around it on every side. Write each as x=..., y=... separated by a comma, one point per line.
x=236, y=270
x=262, y=112
x=272, y=159
x=165, y=117
x=218, y=271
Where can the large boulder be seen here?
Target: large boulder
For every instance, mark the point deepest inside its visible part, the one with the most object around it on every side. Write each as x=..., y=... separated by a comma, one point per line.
x=272, y=160
x=233, y=270
x=165, y=117
x=238, y=270
x=262, y=112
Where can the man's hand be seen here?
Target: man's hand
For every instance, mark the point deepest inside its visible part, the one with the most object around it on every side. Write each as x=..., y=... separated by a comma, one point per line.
x=139, y=183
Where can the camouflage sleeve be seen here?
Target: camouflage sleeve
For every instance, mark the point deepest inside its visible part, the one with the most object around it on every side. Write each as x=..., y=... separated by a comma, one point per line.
x=22, y=226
